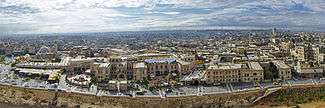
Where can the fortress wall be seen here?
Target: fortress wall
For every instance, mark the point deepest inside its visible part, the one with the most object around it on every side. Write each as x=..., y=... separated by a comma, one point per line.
x=44, y=98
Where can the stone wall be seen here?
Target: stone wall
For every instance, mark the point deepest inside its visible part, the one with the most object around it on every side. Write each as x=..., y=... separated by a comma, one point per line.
x=206, y=101
x=45, y=98
x=22, y=96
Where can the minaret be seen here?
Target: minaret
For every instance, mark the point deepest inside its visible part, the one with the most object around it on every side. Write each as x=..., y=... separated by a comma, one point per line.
x=274, y=32
x=273, y=36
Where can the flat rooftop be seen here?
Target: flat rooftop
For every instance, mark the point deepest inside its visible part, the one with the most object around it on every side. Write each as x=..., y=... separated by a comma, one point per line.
x=254, y=66
x=155, y=54
x=311, y=71
x=164, y=60
x=40, y=64
x=183, y=62
x=102, y=64
x=81, y=59
x=140, y=65
x=280, y=64
x=38, y=71
x=226, y=66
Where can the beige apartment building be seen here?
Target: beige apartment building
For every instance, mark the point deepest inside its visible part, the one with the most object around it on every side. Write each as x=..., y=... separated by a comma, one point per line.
x=252, y=72
x=299, y=53
x=128, y=68
x=79, y=65
x=118, y=68
x=101, y=70
x=161, y=67
x=139, y=71
x=185, y=67
x=283, y=69
x=145, y=56
x=230, y=72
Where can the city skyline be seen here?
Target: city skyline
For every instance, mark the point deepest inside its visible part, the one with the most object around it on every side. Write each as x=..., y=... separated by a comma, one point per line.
x=67, y=16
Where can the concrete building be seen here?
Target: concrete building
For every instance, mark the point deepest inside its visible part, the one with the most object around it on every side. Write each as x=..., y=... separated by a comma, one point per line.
x=187, y=58
x=186, y=64
x=161, y=67
x=145, y=56
x=79, y=65
x=251, y=72
x=283, y=69
x=51, y=75
x=312, y=55
x=229, y=73
x=139, y=71
x=185, y=67
x=304, y=71
x=118, y=67
x=41, y=65
x=130, y=62
x=310, y=73
x=299, y=53
x=101, y=70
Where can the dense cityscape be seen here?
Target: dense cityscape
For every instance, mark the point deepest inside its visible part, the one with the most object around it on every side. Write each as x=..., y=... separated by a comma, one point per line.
x=162, y=54
x=163, y=63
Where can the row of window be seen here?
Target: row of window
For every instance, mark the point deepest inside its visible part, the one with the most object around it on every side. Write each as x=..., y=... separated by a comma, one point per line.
x=285, y=72
x=239, y=74
x=227, y=80
x=162, y=67
x=237, y=80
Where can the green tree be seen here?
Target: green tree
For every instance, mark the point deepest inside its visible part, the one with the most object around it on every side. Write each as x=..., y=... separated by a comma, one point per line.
x=145, y=82
x=94, y=80
x=271, y=72
x=14, y=64
x=2, y=59
x=56, y=60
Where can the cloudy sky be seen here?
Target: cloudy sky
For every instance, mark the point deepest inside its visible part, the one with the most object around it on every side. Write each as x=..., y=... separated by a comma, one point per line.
x=57, y=16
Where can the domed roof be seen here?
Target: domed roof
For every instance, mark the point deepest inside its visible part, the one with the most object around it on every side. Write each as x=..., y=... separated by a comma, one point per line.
x=44, y=50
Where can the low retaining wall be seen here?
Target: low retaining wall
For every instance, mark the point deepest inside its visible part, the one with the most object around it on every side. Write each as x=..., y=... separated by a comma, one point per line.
x=289, y=95
x=23, y=96
x=45, y=98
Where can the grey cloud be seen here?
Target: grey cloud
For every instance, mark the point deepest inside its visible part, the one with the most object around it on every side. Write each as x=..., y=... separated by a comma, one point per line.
x=18, y=10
